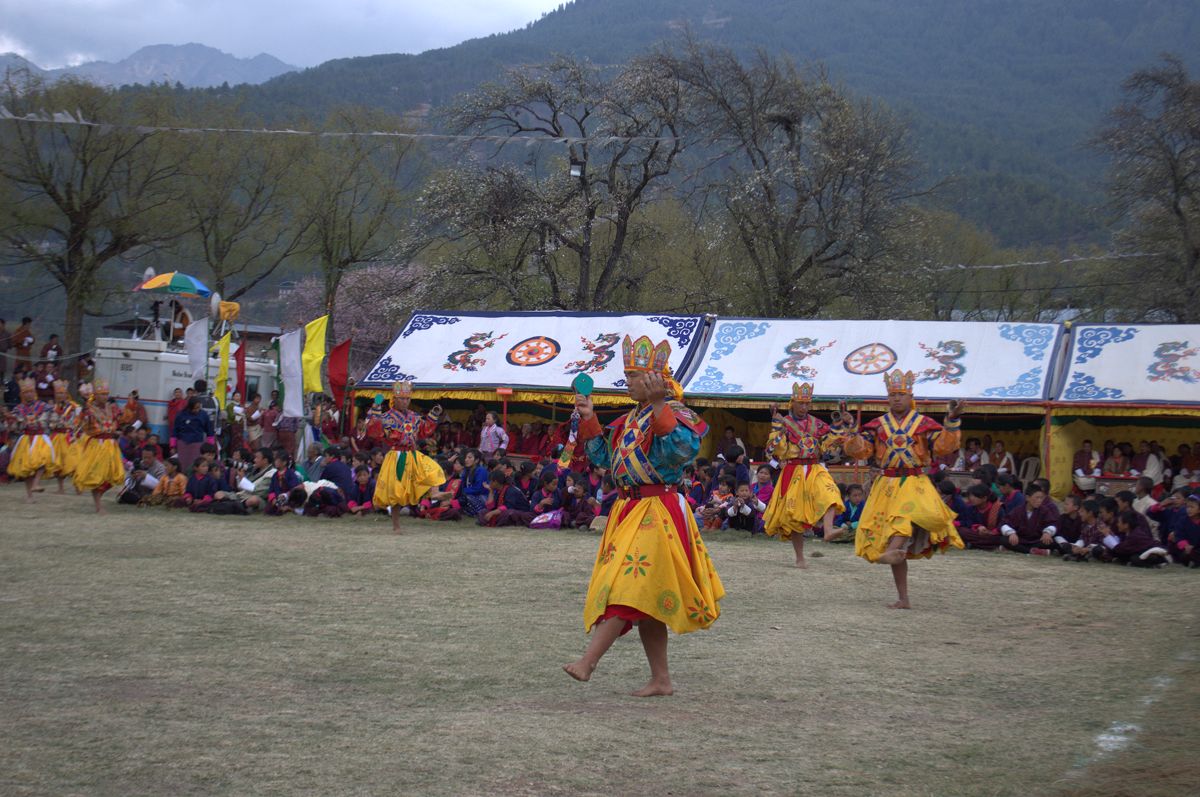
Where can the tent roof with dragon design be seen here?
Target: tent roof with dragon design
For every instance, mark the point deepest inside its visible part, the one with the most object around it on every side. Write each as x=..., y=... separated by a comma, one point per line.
x=760, y=358
x=541, y=351
x=1132, y=364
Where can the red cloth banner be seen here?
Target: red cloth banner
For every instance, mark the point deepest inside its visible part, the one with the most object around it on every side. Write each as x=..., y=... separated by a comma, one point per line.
x=339, y=372
x=239, y=359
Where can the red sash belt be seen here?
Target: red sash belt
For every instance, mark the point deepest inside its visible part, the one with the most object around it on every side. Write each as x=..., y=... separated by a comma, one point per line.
x=33, y=430
x=804, y=461
x=645, y=491
x=105, y=436
x=907, y=471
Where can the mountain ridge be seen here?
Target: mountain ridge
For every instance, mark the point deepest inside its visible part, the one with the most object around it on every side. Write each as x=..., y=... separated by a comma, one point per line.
x=191, y=65
x=1001, y=96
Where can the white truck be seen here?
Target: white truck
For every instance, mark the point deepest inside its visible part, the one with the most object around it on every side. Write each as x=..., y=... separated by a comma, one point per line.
x=154, y=370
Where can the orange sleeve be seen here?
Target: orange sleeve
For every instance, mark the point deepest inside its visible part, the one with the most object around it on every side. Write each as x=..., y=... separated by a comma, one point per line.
x=857, y=446
x=590, y=428
x=664, y=422
x=948, y=439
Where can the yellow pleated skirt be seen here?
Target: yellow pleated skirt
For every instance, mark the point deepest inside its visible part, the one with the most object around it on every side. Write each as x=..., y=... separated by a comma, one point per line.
x=66, y=455
x=421, y=474
x=31, y=454
x=800, y=504
x=642, y=565
x=908, y=506
x=99, y=465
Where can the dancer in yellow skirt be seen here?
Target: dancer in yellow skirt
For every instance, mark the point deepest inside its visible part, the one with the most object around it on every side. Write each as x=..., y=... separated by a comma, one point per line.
x=806, y=493
x=904, y=517
x=652, y=567
x=100, y=466
x=64, y=420
x=33, y=453
x=406, y=474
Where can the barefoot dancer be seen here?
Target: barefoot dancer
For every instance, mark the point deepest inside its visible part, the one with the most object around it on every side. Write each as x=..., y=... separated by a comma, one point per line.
x=63, y=420
x=33, y=453
x=406, y=474
x=100, y=465
x=652, y=568
x=904, y=518
x=806, y=492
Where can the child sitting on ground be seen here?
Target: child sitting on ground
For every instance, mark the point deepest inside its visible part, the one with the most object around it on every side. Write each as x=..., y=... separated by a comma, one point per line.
x=745, y=510
x=846, y=524
x=712, y=514
x=441, y=503
x=201, y=488
x=360, y=499
x=170, y=488
x=1090, y=537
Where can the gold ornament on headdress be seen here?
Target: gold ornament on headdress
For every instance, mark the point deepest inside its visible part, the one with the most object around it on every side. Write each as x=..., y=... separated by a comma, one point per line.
x=802, y=391
x=643, y=355
x=403, y=389
x=61, y=388
x=100, y=387
x=27, y=385
x=899, y=382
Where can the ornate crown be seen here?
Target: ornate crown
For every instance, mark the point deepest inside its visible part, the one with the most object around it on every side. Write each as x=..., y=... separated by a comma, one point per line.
x=802, y=391
x=27, y=385
x=402, y=389
x=61, y=387
x=100, y=386
x=898, y=381
x=643, y=355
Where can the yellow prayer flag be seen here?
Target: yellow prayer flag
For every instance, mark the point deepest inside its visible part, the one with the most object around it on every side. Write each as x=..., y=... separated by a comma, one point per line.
x=314, y=354
x=222, y=369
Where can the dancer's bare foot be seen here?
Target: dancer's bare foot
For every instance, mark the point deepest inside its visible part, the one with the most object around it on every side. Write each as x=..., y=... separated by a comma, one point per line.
x=101, y=510
x=655, y=689
x=834, y=534
x=900, y=605
x=29, y=499
x=579, y=670
x=893, y=556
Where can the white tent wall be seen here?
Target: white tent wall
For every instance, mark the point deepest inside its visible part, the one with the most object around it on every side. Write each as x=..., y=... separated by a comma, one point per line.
x=1129, y=363
x=760, y=358
x=525, y=350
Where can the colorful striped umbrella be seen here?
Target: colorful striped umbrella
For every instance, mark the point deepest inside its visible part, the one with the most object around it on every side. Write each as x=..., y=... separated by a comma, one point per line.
x=175, y=282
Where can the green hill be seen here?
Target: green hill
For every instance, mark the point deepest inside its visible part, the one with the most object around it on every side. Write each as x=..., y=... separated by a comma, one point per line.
x=1001, y=94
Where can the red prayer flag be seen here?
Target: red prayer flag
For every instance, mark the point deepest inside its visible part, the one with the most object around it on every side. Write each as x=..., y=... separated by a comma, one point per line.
x=239, y=359
x=339, y=371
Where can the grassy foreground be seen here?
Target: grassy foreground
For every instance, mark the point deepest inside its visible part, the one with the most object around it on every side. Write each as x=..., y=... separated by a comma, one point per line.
x=153, y=652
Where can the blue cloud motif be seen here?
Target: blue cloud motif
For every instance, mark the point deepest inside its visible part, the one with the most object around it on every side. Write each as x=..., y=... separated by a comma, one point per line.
x=387, y=371
x=731, y=333
x=1083, y=387
x=681, y=329
x=1028, y=385
x=1036, y=337
x=420, y=323
x=1090, y=340
x=712, y=381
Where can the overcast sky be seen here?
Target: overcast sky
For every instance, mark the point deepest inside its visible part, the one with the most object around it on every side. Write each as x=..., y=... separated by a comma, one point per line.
x=54, y=33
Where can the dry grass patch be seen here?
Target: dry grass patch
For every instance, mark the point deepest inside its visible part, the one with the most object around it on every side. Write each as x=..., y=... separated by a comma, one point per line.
x=155, y=652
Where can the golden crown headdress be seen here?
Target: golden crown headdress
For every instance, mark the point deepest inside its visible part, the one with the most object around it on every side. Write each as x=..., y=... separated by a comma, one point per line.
x=643, y=355
x=802, y=391
x=61, y=386
x=27, y=385
x=100, y=386
x=898, y=381
x=403, y=389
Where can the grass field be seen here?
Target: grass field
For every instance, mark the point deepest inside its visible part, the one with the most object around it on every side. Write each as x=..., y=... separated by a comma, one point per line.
x=152, y=652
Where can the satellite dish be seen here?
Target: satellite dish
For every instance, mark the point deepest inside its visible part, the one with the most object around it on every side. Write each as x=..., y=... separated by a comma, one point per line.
x=214, y=304
x=148, y=274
